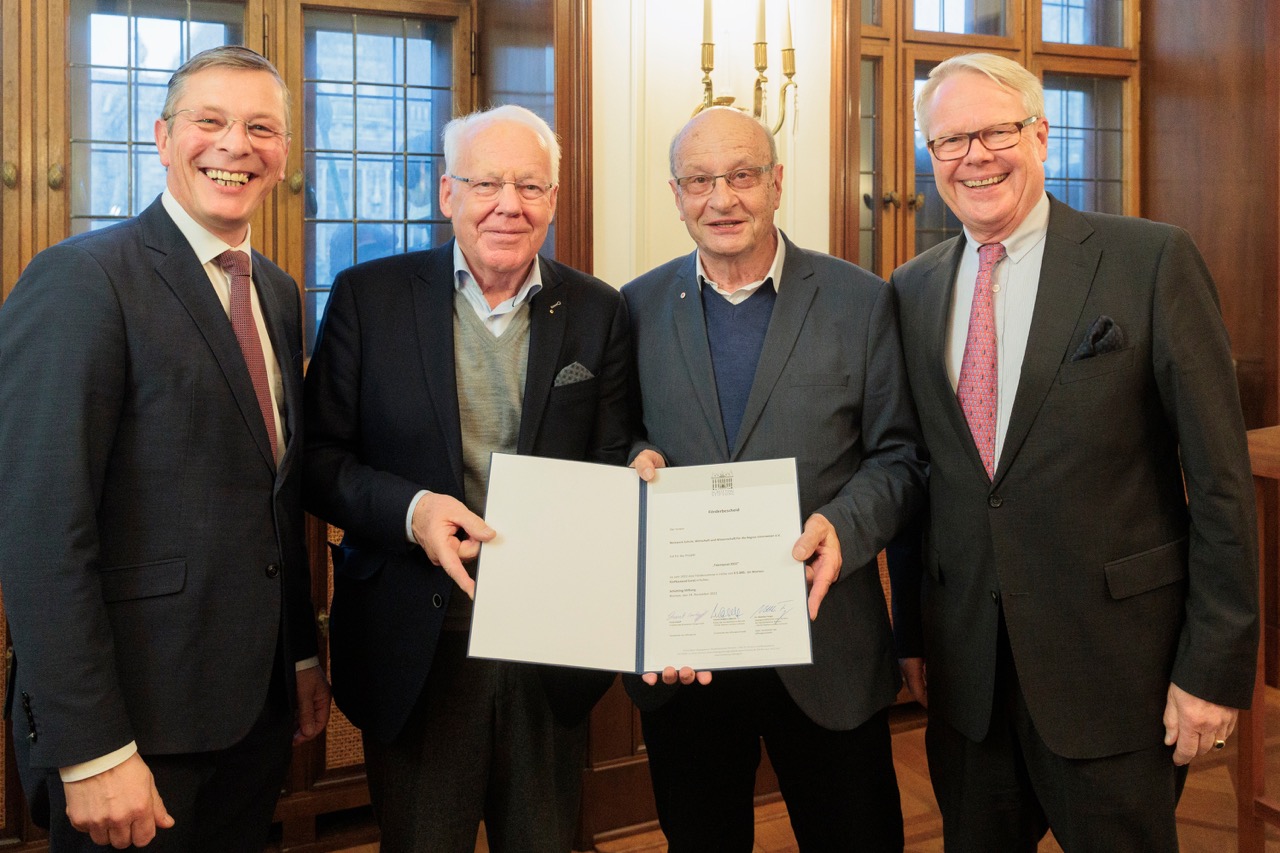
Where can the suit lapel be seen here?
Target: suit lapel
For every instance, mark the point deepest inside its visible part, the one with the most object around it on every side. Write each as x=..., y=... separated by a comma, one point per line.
x=1066, y=277
x=273, y=314
x=796, y=293
x=548, y=314
x=182, y=272
x=432, y=293
x=691, y=334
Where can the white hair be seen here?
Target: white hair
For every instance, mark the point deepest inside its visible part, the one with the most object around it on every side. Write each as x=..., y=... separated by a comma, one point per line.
x=1003, y=71
x=455, y=130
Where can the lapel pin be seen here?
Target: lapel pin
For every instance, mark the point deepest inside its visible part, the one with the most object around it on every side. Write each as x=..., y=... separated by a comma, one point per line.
x=682, y=294
x=553, y=308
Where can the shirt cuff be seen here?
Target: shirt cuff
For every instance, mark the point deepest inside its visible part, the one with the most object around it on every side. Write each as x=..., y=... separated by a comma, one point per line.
x=408, y=518
x=308, y=663
x=94, y=766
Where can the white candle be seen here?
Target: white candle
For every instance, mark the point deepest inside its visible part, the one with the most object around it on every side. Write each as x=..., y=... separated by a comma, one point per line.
x=760, y=21
x=706, y=21
x=786, y=30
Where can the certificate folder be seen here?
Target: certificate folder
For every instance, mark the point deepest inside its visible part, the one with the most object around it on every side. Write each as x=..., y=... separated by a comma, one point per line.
x=592, y=567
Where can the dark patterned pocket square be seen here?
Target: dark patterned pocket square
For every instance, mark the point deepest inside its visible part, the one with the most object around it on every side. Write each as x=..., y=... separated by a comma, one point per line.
x=1104, y=336
x=573, y=373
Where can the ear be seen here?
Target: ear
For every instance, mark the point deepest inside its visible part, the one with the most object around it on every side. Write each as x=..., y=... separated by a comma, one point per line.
x=1042, y=138
x=675, y=191
x=446, y=196
x=162, y=141
x=552, y=195
x=777, y=185
x=284, y=161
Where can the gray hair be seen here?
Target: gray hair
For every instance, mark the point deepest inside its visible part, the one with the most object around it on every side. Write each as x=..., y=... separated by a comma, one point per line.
x=1004, y=72
x=682, y=132
x=226, y=56
x=455, y=130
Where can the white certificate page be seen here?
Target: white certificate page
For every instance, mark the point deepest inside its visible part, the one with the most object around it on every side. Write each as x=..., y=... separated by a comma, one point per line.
x=721, y=588
x=558, y=583
x=573, y=578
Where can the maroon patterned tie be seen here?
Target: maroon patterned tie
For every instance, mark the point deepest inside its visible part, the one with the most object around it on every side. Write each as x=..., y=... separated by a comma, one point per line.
x=237, y=266
x=978, y=389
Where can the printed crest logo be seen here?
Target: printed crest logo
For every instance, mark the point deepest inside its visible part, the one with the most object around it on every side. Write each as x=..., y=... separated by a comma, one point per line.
x=722, y=483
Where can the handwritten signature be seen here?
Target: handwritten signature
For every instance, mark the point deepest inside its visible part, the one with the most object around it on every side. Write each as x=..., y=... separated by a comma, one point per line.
x=776, y=609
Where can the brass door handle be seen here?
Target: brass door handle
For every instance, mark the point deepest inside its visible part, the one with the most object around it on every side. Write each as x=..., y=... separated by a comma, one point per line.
x=296, y=181
x=891, y=198
x=916, y=201
x=9, y=173
x=56, y=176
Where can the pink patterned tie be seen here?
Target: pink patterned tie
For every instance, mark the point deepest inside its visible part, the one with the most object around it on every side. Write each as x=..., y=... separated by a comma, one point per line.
x=978, y=390
x=237, y=266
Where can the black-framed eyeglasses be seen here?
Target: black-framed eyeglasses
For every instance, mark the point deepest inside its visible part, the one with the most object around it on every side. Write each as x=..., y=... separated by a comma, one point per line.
x=216, y=124
x=997, y=137
x=489, y=188
x=746, y=178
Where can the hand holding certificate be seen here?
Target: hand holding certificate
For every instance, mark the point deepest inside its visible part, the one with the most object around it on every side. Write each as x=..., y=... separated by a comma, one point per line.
x=593, y=568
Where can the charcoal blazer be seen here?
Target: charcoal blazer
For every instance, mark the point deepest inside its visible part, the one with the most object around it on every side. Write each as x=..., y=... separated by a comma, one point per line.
x=383, y=423
x=829, y=390
x=151, y=551
x=1113, y=580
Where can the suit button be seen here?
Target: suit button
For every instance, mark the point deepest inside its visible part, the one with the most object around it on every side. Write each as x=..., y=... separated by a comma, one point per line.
x=995, y=501
x=273, y=570
x=437, y=600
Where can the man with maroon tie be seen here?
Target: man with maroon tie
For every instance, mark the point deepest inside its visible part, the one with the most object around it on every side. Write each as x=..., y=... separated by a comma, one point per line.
x=151, y=527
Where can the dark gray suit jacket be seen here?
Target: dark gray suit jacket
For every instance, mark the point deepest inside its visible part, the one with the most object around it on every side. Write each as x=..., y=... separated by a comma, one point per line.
x=830, y=391
x=382, y=413
x=1111, y=584
x=150, y=552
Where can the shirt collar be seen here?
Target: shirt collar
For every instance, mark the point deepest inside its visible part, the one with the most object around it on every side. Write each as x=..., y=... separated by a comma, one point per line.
x=775, y=270
x=1030, y=231
x=205, y=244
x=464, y=280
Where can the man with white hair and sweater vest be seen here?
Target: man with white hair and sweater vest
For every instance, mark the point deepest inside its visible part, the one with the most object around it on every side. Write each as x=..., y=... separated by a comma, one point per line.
x=426, y=363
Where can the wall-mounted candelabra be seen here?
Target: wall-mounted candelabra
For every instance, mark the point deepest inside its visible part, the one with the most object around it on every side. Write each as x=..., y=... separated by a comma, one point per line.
x=710, y=99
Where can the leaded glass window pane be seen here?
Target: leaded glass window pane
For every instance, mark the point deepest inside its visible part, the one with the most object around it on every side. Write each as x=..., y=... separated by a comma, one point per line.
x=973, y=17
x=377, y=91
x=1094, y=22
x=1085, y=168
x=121, y=55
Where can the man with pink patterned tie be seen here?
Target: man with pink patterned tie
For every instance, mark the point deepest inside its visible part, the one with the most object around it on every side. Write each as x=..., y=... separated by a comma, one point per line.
x=1084, y=592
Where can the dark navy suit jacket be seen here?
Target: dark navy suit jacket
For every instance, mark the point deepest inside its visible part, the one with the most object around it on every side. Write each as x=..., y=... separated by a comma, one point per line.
x=383, y=423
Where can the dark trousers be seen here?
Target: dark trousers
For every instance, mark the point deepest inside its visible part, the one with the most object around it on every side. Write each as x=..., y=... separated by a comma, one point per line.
x=1001, y=795
x=221, y=802
x=704, y=747
x=481, y=742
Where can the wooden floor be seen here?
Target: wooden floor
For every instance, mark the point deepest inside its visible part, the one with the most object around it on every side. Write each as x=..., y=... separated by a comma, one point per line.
x=1206, y=815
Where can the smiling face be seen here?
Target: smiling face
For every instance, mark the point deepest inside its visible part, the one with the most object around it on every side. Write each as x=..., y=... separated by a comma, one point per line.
x=991, y=192
x=499, y=236
x=733, y=228
x=221, y=180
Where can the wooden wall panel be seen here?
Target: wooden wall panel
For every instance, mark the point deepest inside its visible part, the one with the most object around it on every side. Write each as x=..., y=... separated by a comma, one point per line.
x=1209, y=155
x=1211, y=163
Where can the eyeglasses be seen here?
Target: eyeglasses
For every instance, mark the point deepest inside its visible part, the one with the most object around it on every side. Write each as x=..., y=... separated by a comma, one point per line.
x=746, y=178
x=489, y=188
x=215, y=124
x=997, y=137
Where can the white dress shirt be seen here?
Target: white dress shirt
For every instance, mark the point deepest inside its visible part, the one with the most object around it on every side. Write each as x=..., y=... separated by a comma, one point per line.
x=1015, y=282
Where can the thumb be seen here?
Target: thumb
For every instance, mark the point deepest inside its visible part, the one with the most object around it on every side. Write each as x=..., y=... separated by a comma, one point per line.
x=164, y=820
x=476, y=527
x=806, y=544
